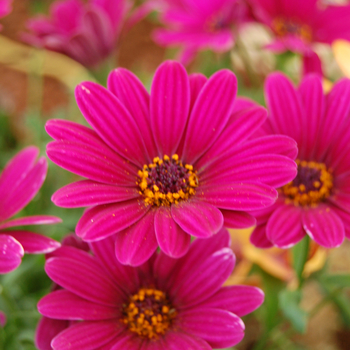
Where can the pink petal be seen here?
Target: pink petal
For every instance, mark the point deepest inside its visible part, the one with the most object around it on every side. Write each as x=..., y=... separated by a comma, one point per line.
x=240, y=300
x=128, y=341
x=3, y=319
x=312, y=64
x=284, y=228
x=34, y=243
x=85, y=279
x=172, y=239
x=202, y=281
x=21, y=189
x=324, y=226
x=11, y=253
x=210, y=114
x=104, y=220
x=178, y=340
x=259, y=237
x=137, y=243
x=197, y=81
x=65, y=305
x=238, y=196
x=170, y=103
x=112, y=122
x=238, y=220
x=221, y=329
x=197, y=218
x=87, y=335
x=46, y=330
x=131, y=92
x=94, y=163
x=90, y=193
x=31, y=220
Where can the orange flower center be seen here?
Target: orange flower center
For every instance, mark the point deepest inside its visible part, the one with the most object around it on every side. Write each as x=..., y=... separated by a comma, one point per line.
x=284, y=27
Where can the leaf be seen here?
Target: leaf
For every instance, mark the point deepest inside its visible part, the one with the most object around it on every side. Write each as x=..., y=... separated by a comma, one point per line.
x=341, y=281
x=289, y=304
x=300, y=254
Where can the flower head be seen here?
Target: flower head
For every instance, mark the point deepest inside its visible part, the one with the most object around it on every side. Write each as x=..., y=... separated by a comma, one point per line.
x=163, y=304
x=197, y=25
x=87, y=32
x=316, y=202
x=166, y=166
x=19, y=183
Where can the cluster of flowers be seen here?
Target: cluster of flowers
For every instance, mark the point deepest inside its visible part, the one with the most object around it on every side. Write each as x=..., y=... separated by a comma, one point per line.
x=187, y=160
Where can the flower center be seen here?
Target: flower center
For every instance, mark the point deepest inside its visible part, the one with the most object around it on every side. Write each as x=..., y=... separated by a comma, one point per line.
x=312, y=185
x=167, y=181
x=149, y=313
x=283, y=27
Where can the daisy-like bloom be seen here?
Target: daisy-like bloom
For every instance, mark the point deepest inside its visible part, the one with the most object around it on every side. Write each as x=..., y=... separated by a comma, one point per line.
x=316, y=202
x=199, y=25
x=298, y=24
x=165, y=303
x=165, y=166
x=19, y=183
x=87, y=32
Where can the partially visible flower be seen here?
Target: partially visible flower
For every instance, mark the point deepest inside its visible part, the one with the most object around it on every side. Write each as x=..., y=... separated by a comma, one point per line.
x=19, y=183
x=199, y=25
x=2, y=319
x=166, y=166
x=164, y=304
x=298, y=24
x=317, y=201
x=87, y=32
x=47, y=327
x=5, y=8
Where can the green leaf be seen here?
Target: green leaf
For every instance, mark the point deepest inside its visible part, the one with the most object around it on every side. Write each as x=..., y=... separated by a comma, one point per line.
x=289, y=304
x=300, y=253
x=342, y=280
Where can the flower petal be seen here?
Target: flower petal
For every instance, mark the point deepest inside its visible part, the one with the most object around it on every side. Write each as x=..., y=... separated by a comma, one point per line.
x=46, y=330
x=31, y=220
x=259, y=237
x=104, y=220
x=89, y=193
x=135, y=245
x=284, y=228
x=220, y=328
x=197, y=218
x=170, y=103
x=324, y=226
x=177, y=340
x=172, y=239
x=238, y=220
x=11, y=253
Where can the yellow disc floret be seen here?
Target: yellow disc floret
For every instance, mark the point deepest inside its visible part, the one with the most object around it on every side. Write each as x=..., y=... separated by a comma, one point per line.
x=149, y=313
x=166, y=181
x=312, y=185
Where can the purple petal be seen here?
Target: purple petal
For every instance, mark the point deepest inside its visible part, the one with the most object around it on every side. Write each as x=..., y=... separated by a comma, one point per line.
x=238, y=196
x=65, y=305
x=172, y=239
x=128, y=341
x=210, y=114
x=170, y=103
x=137, y=243
x=112, y=121
x=197, y=81
x=259, y=237
x=240, y=300
x=104, y=220
x=90, y=193
x=284, y=228
x=177, y=340
x=87, y=335
x=238, y=220
x=91, y=162
x=131, y=92
x=197, y=218
x=46, y=330
x=34, y=243
x=324, y=226
x=220, y=328
x=31, y=220
x=11, y=253
x=85, y=279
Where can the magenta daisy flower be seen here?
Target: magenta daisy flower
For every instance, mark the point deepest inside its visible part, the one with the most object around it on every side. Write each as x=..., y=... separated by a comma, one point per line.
x=317, y=201
x=19, y=183
x=197, y=25
x=166, y=166
x=164, y=304
x=87, y=32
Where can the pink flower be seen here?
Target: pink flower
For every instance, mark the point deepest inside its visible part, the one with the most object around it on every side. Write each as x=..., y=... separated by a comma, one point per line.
x=163, y=304
x=317, y=201
x=166, y=166
x=5, y=8
x=87, y=32
x=19, y=183
x=199, y=25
